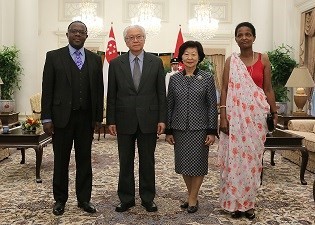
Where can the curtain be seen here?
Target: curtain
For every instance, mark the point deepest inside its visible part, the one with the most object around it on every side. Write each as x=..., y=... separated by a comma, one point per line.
x=307, y=50
x=218, y=61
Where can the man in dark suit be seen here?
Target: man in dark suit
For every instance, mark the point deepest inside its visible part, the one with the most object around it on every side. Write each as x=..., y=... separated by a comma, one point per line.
x=72, y=105
x=136, y=113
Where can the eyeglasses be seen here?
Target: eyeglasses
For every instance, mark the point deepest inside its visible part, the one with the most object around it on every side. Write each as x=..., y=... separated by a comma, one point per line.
x=133, y=38
x=75, y=31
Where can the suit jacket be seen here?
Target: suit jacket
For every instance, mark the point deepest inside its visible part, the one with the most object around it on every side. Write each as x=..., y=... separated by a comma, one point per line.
x=192, y=102
x=128, y=108
x=57, y=91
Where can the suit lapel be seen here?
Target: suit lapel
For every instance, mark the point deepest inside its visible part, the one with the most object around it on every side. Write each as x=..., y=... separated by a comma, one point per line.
x=90, y=63
x=65, y=59
x=127, y=70
x=147, y=63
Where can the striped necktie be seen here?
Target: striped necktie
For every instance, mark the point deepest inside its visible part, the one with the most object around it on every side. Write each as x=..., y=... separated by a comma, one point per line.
x=78, y=60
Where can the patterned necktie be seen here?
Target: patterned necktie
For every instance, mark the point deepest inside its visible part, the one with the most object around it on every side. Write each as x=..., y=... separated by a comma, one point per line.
x=78, y=60
x=136, y=73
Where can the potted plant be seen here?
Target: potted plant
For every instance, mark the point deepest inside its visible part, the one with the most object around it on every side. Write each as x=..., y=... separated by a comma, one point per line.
x=282, y=65
x=207, y=65
x=10, y=73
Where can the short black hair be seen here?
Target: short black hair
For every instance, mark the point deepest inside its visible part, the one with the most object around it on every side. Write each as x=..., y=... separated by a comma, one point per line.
x=77, y=21
x=191, y=44
x=246, y=24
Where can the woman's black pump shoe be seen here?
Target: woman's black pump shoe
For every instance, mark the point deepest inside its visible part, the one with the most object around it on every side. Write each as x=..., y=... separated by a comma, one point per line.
x=184, y=205
x=250, y=214
x=236, y=214
x=193, y=209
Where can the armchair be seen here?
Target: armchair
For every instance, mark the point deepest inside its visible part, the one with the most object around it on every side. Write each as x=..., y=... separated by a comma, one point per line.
x=35, y=101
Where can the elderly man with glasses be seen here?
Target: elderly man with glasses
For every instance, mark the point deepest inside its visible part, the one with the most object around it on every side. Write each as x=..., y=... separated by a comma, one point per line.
x=136, y=113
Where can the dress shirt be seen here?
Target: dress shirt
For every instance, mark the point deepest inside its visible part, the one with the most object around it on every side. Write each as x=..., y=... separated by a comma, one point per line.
x=73, y=56
x=132, y=60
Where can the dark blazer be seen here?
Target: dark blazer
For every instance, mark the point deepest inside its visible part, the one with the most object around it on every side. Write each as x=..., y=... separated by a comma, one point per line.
x=126, y=107
x=192, y=102
x=57, y=97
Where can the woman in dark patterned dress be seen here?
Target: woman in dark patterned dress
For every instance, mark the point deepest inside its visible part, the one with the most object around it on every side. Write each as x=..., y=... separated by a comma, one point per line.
x=191, y=120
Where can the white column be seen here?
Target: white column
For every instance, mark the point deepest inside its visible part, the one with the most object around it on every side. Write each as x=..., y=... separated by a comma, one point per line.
x=6, y=23
x=26, y=39
x=262, y=19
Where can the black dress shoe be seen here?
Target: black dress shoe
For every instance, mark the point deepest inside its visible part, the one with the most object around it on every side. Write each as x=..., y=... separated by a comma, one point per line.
x=250, y=214
x=149, y=206
x=122, y=207
x=184, y=205
x=193, y=209
x=236, y=214
x=59, y=208
x=87, y=207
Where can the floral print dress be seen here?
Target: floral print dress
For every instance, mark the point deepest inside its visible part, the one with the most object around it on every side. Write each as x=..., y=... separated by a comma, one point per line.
x=240, y=153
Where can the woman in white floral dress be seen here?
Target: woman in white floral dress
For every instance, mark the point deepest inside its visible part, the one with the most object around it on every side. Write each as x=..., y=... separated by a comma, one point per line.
x=246, y=98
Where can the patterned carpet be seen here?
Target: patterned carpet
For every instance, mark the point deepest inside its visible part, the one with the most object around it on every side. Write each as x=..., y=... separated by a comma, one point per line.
x=281, y=199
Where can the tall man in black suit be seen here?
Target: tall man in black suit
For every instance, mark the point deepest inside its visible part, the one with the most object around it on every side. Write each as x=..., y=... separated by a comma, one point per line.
x=136, y=112
x=72, y=105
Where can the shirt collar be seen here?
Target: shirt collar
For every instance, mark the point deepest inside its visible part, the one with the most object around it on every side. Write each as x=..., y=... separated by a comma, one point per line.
x=132, y=56
x=72, y=50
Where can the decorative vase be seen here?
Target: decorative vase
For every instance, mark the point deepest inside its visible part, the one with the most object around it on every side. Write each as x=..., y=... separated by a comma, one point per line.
x=7, y=106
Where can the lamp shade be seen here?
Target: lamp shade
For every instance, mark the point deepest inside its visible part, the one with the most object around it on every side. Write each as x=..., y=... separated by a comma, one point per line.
x=300, y=77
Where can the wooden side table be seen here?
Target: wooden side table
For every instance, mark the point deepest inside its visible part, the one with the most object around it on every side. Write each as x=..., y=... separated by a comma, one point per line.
x=284, y=119
x=21, y=140
x=281, y=140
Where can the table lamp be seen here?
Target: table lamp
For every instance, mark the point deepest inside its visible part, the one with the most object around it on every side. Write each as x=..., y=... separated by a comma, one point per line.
x=300, y=78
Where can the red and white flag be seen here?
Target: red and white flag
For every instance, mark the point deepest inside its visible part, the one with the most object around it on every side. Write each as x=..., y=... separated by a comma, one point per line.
x=179, y=42
x=111, y=53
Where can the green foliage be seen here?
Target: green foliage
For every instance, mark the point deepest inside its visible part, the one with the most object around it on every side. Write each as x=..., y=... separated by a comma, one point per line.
x=282, y=65
x=208, y=66
x=10, y=71
x=166, y=69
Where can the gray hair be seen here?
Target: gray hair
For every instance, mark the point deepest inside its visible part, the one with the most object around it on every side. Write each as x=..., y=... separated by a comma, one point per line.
x=134, y=26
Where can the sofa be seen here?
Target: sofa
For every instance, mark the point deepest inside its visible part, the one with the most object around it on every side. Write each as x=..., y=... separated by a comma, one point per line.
x=305, y=128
